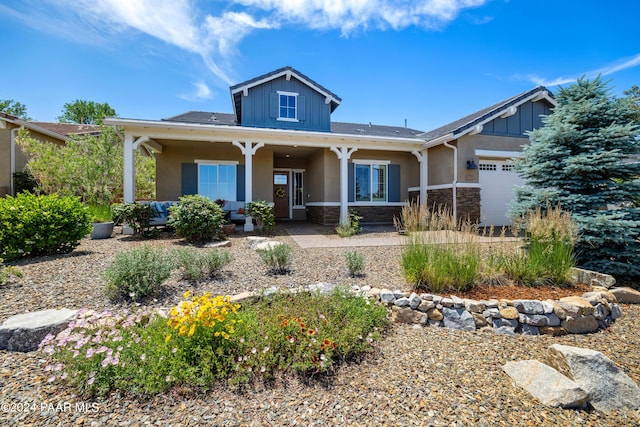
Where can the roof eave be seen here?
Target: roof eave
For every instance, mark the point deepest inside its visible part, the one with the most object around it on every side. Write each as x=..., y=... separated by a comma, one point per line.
x=39, y=129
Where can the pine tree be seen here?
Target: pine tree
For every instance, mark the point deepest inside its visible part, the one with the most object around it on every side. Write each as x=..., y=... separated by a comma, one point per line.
x=584, y=158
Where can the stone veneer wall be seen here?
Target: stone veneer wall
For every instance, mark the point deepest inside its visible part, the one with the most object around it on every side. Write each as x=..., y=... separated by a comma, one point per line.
x=468, y=201
x=324, y=215
x=571, y=315
x=330, y=215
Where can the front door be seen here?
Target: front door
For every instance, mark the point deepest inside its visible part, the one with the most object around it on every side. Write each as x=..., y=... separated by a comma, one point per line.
x=281, y=194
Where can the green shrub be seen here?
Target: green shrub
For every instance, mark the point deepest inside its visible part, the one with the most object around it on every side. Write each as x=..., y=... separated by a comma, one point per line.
x=7, y=271
x=355, y=263
x=207, y=339
x=137, y=274
x=196, y=218
x=41, y=225
x=277, y=257
x=135, y=215
x=198, y=265
x=263, y=213
x=351, y=227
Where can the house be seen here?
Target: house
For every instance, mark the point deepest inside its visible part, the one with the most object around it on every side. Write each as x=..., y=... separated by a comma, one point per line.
x=280, y=145
x=12, y=159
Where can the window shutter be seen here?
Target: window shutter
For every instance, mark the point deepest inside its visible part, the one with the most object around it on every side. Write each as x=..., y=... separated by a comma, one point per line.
x=274, y=105
x=189, y=178
x=301, y=108
x=351, y=183
x=394, y=183
x=240, y=183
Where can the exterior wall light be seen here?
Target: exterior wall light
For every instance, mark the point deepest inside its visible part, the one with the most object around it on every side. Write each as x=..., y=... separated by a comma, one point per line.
x=471, y=164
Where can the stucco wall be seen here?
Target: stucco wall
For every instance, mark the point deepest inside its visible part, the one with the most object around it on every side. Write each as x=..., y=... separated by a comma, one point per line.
x=314, y=177
x=174, y=153
x=440, y=165
x=409, y=169
x=468, y=144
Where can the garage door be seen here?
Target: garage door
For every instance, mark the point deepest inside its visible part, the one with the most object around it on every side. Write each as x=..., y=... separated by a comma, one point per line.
x=497, y=181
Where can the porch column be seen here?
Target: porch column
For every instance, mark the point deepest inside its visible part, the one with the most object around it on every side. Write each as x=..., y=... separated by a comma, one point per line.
x=344, y=153
x=129, y=170
x=249, y=150
x=423, y=160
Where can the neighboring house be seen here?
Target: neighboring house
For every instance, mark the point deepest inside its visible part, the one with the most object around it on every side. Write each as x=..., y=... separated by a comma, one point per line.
x=281, y=146
x=12, y=159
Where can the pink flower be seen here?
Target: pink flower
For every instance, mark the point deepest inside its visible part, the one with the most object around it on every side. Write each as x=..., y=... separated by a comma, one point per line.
x=263, y=368
x=265, y=349
x=51, y=379
x=254, y=350
x=90, y=352
x=90, y=380
x=143, y=356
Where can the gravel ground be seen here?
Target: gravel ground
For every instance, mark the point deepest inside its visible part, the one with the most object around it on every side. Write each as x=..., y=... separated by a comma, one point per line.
x=416, y=376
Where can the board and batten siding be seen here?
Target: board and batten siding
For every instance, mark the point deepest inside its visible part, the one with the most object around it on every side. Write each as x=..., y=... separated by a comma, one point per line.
x=257, y=106
x=527, y=117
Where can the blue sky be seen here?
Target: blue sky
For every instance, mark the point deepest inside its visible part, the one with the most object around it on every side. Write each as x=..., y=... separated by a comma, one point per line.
x=429, y=62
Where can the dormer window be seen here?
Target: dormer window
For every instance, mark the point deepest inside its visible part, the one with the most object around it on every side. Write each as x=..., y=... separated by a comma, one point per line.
x=288, y=106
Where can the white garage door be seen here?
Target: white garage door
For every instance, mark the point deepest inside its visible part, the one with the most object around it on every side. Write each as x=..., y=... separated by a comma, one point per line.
x=497, y=181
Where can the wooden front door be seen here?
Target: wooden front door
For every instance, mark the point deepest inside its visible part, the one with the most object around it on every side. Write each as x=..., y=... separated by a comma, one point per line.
x=281, y=194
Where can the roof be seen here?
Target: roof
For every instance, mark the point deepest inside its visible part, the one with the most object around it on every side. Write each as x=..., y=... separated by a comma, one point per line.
x=238, y=89
x=204, y=117
x=35, y=126
x=466, y=124
x=68, y=129
x=208, y=118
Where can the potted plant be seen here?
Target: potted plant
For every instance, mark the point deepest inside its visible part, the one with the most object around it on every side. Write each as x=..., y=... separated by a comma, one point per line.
x=101, y=218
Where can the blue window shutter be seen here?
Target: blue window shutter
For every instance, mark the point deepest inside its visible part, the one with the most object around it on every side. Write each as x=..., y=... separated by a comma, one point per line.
x=351, y=183
x=189, y=179
x=240, y=183
x=301, y=108
x=394, y=183
x=274, y=104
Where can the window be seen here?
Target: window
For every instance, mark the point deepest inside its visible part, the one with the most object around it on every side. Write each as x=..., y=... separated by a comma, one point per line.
x=488, y=167
x=217, y=180
x=371, y=182
x=288, y=106
x=298, y=189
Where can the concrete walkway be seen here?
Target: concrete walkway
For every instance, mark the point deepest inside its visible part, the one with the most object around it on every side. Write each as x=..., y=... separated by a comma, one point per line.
x=307, y=236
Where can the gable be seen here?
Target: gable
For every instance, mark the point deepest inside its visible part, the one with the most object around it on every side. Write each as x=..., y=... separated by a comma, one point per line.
x=526, y=118
x=260, y=106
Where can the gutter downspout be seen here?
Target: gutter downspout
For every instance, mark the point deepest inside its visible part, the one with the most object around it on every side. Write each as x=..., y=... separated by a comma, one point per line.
x=454, y=184
x=12, y=157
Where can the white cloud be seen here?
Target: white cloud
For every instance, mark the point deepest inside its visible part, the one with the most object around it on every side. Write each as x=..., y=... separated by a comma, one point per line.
x=201, y=92
x=213, y=30
x=605, y=71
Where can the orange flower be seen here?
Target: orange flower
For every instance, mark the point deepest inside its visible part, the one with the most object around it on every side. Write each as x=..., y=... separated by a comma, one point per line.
x=285, y=323
x=315, y=359
x=311, y=332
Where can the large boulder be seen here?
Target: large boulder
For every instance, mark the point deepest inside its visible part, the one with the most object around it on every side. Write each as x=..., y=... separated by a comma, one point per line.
x=626, y=295
x=24, y=332
x=546, y=384
x=608, y=387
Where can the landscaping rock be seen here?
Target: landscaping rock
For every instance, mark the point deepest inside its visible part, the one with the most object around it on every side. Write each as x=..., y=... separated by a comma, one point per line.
x=402, y=302
x=540, y=319
x=457, y=302
x=266, y=245
x=529, y=306
x=387, y=297
x=446, y=302
x=323, y=287
x=616, y=312
x=458, y=318
x=593, y=278
x=546, y=384
x=580, y=324
x=244, y=297
x=554, y=331
x=24, y=332
x=510, y=313
x=558, y=310
x=601, y=311
x=252, y=241
x=435, y=314
x=474, y=306
x=223, y=244
x=407, y=315
x=626, y=295
x=426, y=306
x=479, y=320
x=529, y=330
x=414, y=300
x=492, y=312
x=602, y=293
x=505, y=326
x=576, y=305
x=607, y=386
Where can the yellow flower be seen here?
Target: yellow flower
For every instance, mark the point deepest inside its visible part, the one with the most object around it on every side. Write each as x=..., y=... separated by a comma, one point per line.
x=192, y=330
x=187, y=294
x=167, y=338
x=183, y=329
